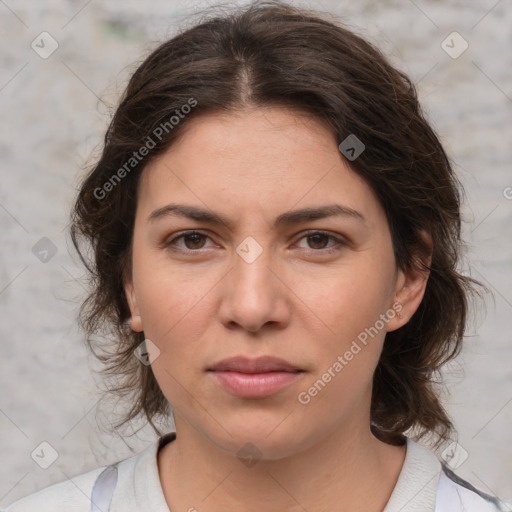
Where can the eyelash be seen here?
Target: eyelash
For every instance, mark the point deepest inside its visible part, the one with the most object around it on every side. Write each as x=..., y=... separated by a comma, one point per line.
x=339, y=243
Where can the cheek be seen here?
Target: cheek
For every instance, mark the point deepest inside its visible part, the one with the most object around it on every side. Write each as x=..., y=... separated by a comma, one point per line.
x=346, y=360
x=351, y=305
x=350, y=299
x=168, y=297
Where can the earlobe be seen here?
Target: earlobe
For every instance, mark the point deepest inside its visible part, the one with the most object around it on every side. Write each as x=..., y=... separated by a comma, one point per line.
x=135, y=320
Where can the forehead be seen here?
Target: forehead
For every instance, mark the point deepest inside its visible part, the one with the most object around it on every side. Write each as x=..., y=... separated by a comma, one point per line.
x=251, y=136
x=260, y=161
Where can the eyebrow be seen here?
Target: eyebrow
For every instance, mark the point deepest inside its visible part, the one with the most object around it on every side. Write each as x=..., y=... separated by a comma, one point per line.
x=287, y=218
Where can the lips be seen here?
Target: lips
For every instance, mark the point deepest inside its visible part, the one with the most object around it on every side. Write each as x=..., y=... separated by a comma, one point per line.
x=263, y=364
x=254, y=378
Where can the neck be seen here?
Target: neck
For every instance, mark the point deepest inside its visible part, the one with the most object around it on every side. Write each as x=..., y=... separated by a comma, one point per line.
x=351, y=471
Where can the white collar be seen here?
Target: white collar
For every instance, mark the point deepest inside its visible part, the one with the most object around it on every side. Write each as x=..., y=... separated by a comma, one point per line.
x=416, y=488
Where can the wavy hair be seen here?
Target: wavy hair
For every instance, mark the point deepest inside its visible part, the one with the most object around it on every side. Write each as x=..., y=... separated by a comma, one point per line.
x=271, y=53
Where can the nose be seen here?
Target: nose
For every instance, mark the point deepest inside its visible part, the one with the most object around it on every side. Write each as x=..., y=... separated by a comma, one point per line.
x=254, y=293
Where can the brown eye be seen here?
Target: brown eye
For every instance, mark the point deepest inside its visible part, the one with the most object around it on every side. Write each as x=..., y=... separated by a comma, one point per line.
x=193, y=241
x=196, y=240
x=318, y=241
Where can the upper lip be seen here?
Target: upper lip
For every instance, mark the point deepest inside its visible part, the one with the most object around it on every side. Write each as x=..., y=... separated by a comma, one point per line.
x=261, y=364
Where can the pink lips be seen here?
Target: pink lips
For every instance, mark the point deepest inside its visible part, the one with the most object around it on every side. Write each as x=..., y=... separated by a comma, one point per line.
x=254, y=378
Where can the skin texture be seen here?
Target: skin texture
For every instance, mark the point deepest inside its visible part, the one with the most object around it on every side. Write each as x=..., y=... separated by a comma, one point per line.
x=295, y=301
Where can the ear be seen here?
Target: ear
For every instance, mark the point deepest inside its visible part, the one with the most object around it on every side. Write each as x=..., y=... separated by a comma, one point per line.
x=135, y=321
x=410, y=288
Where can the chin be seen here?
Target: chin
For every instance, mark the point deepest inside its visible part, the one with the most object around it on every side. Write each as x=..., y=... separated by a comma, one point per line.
x=257, y=440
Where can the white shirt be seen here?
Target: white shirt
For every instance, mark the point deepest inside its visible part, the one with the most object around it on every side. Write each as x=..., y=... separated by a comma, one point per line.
x=133, y=485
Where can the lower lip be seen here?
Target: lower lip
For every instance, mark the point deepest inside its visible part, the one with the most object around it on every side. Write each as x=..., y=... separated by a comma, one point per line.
x=254, y=385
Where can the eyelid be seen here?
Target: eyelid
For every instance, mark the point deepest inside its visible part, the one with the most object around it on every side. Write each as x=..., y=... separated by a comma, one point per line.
x=339, y=239
x=176, y=236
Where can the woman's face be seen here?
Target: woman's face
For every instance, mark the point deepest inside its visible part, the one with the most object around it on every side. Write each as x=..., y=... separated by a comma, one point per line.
x=316, y=292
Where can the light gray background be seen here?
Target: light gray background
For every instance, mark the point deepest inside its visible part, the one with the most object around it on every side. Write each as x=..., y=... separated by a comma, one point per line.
x=54, y=113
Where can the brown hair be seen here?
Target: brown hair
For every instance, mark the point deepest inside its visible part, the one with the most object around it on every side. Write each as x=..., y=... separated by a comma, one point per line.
x=275, y=54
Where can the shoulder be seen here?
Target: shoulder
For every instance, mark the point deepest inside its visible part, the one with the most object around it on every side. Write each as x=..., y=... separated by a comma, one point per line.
x=123, y=485
x=427, y=484
x=129, y=484
x=70, y=495
x=456, y=494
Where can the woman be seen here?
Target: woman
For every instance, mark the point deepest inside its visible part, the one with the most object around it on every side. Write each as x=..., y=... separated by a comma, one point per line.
x=278, y=226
